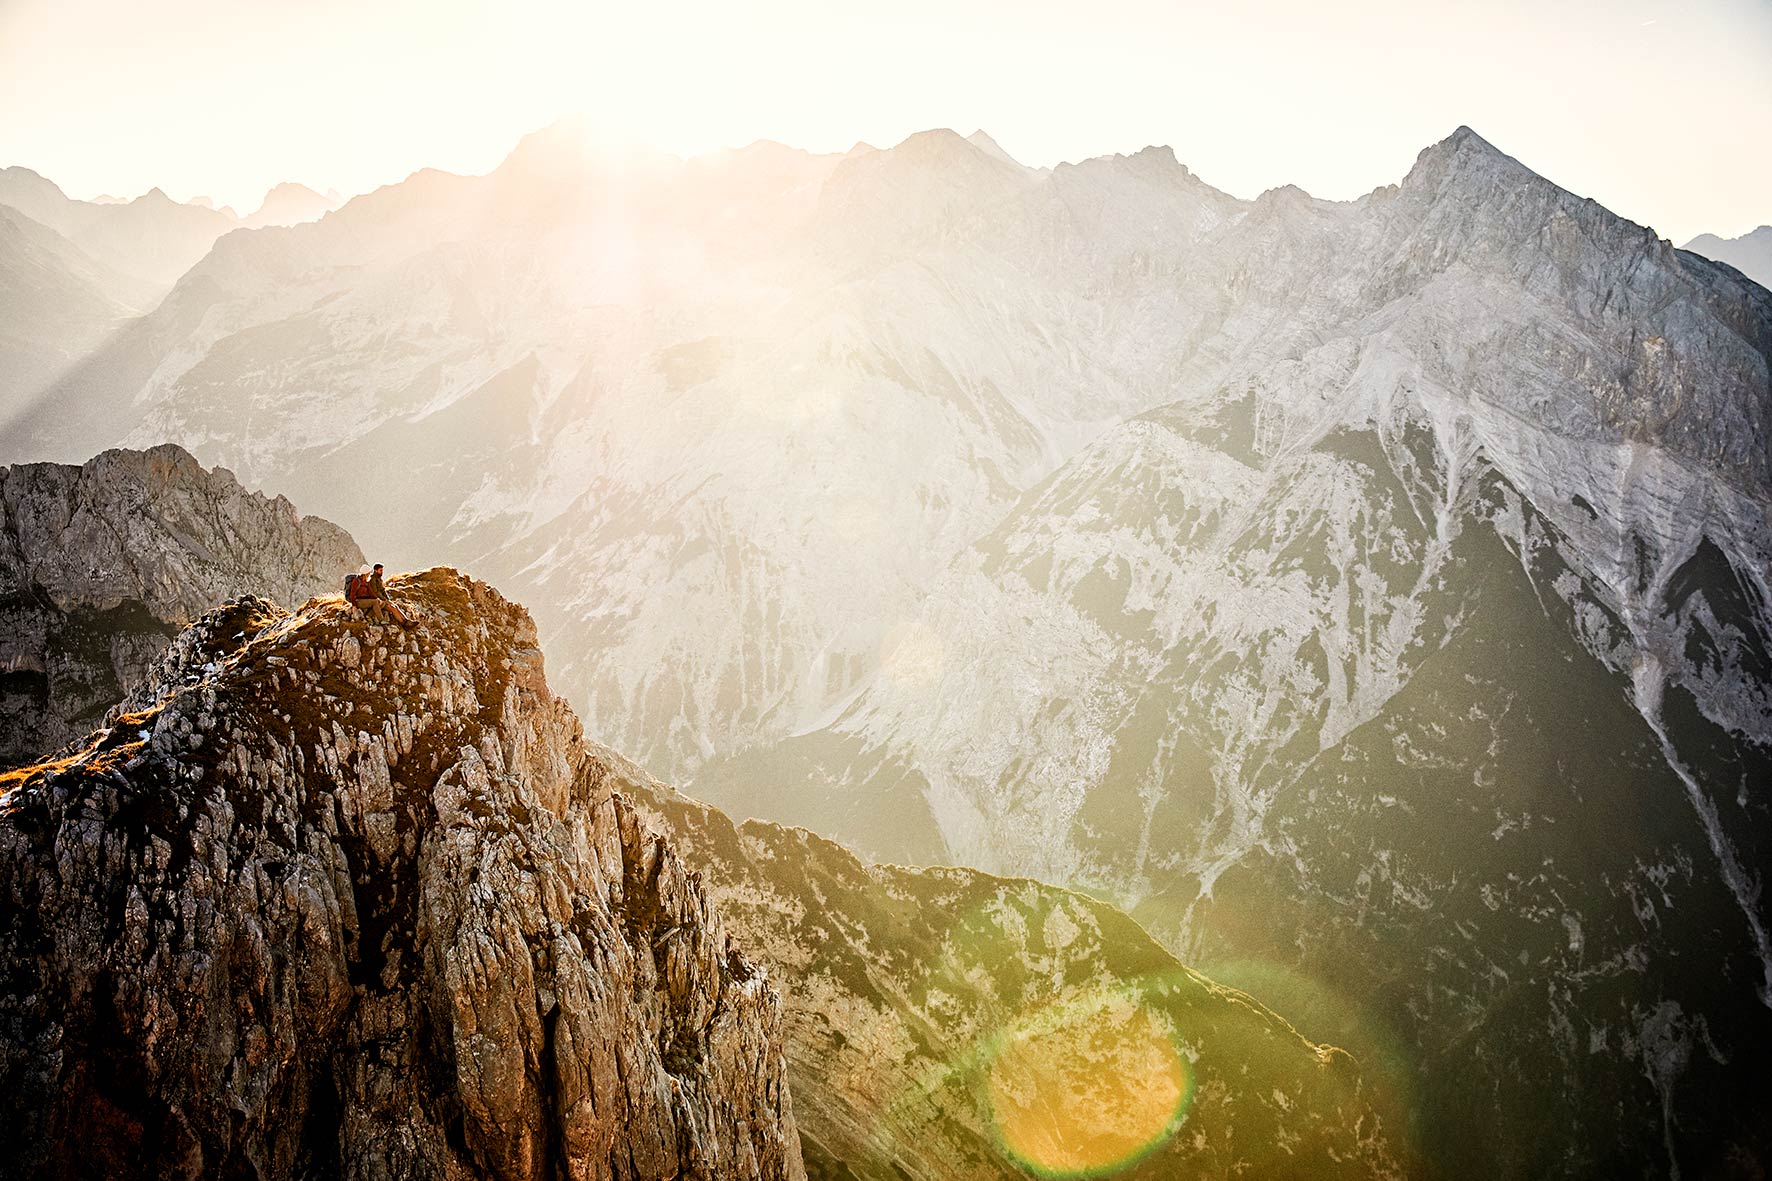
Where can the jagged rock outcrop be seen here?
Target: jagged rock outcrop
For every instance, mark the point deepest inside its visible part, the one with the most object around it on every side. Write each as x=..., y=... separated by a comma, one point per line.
x=102, y=563
x=326, y=899
x=948, y=1024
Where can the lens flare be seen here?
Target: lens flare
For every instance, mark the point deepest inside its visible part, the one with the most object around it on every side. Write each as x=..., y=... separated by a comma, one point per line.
x=1087, y=1088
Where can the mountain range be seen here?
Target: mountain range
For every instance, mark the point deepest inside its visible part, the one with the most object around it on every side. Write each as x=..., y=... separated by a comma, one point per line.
x=1369, y=596
x=75, y=272
x=1751, y=253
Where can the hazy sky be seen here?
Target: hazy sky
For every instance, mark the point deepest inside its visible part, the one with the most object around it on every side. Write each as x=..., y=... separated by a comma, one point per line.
x=1660, y=109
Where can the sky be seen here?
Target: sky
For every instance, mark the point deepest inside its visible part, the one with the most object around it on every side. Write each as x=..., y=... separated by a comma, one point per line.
x=1659, y=109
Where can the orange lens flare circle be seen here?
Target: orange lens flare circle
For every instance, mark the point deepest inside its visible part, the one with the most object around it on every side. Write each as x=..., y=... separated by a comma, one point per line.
x=1087, y=1088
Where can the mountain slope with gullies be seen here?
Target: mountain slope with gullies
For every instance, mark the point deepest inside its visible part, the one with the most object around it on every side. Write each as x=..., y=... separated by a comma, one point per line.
x=333, y=900
x=1384, y=759
x=1421, y=679
x=102, y=563
x=947, y=1023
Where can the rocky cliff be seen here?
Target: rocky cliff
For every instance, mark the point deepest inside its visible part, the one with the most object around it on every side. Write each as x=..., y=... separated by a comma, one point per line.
x=102, y=563
x=331, y=900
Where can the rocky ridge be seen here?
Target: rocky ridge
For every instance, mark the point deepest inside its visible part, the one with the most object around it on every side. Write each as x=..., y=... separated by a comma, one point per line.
x=332, y=900
x=151, y=238
x=102, y=563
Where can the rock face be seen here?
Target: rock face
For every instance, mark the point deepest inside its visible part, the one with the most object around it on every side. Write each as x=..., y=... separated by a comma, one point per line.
x=944, y=1023
x=329, y=900
x=1340, y=739
x=101, y=564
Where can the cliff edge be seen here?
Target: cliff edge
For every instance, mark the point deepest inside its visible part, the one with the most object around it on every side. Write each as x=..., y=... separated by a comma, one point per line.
x=326, y=899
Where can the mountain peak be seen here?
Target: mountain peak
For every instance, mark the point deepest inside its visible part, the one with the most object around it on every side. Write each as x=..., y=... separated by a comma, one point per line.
x=359, y=811
x=982, y=140
x=1463, y=150
x=1160, y=159
x=935, y=140
x=1463, y=134
x=1751, y=253
x=290, y=203
x=943, y=150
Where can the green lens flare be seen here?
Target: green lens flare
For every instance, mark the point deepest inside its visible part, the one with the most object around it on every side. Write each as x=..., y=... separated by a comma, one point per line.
x=1086, y=1088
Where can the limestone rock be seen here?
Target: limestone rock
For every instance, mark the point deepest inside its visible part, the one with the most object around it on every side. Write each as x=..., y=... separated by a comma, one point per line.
x=100, y=565
x=327, y=899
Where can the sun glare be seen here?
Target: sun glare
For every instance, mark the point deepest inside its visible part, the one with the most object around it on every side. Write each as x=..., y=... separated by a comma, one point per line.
x=1087, y=1088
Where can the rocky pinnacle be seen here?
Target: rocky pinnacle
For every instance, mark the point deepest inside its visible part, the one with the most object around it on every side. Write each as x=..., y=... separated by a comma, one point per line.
x=329, y=899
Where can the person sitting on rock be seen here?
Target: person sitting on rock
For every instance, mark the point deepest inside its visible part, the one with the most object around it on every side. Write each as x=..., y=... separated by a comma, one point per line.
x=372, y=597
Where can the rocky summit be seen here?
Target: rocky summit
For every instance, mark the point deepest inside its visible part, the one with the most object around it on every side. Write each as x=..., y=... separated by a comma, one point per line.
x=101, y=563
x=326, y=899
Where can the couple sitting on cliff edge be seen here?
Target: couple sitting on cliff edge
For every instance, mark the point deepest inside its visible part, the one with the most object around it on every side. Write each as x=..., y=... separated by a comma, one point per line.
x=367, y=594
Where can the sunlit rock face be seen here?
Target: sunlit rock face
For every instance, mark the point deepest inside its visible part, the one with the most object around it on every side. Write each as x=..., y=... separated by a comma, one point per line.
x=944, y=1023
x=327, y=899
x=101, y=564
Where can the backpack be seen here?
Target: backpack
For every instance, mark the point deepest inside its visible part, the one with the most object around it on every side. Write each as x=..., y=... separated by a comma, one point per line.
x=355, y=586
